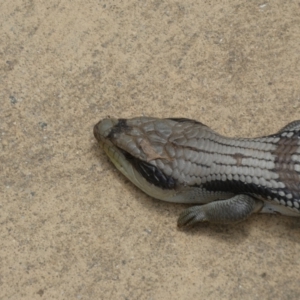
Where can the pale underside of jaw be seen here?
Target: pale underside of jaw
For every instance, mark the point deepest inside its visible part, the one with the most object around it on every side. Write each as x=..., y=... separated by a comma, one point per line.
x=125, y=167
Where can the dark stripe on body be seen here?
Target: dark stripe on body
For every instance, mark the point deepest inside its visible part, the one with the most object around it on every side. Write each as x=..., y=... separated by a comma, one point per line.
x=239, y=187
x=181, y=120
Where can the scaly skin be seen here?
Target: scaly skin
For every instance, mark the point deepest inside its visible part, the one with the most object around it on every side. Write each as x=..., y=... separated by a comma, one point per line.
x=184, y=161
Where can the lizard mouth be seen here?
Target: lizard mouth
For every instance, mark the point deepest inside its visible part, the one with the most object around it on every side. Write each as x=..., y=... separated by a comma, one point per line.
x=103, y=131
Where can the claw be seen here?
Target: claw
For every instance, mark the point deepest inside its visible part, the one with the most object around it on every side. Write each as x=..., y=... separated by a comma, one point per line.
x=191, y=216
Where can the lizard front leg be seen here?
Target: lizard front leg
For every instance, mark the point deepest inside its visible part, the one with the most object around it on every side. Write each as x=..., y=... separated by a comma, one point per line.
x=231, y=210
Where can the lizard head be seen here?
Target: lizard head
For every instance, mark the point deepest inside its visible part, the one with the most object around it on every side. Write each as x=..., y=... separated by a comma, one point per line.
x=135, y=152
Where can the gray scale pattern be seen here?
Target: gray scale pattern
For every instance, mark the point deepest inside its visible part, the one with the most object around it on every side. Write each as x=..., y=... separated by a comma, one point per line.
x=213, y=165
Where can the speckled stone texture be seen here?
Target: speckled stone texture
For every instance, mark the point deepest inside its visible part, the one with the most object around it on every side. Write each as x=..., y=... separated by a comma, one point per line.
x=72, y=227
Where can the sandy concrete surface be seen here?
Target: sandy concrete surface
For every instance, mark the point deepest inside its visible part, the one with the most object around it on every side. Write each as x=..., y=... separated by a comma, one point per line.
x=72, y=227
